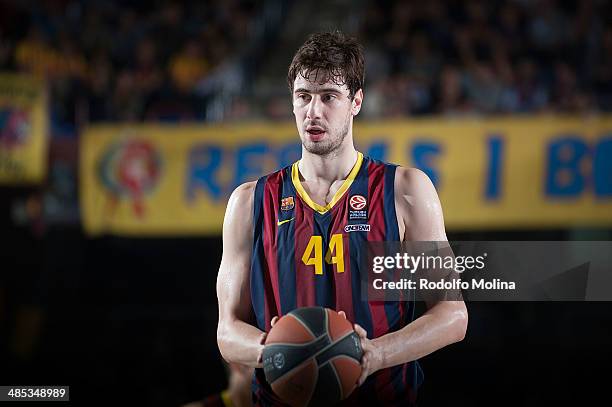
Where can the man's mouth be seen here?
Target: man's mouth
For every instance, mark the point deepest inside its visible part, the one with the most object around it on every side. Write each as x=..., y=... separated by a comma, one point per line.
x=315, y=132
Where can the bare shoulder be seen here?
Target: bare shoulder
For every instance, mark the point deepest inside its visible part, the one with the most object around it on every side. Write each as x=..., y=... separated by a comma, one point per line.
x=242, y=196
x=412, y=181
x=244, y=192
x=419, y=212
x=240, y=205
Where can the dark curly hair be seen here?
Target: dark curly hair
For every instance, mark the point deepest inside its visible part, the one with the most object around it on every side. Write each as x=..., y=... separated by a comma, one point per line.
x=338, y=56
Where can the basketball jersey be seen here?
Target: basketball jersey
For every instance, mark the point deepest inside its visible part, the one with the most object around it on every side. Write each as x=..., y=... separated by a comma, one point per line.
x=306, y=254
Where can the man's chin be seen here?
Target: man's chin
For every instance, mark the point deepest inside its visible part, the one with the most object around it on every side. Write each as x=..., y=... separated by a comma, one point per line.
x=318, y=147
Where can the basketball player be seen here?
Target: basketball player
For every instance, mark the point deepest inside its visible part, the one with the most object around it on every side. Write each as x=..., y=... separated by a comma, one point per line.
x=285, y=244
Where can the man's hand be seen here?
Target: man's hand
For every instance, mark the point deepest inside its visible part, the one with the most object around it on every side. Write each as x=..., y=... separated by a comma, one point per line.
x=262, y=341
x=371, y=361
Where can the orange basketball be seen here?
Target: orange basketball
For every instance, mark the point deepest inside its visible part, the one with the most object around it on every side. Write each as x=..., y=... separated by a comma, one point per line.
x=312, y=357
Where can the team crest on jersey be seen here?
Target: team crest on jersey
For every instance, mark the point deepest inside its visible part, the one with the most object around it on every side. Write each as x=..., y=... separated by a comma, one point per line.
x=287, y=203
x=358, y=209
x=357, y=228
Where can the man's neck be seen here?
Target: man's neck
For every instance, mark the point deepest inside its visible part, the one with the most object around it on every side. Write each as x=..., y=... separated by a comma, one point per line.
x=336, y=166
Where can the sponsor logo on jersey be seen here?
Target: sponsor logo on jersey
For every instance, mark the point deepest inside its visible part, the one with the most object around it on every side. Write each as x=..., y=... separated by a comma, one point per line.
x=364, y=227
x=358, y=215
x=280, y=222
x=287, y=203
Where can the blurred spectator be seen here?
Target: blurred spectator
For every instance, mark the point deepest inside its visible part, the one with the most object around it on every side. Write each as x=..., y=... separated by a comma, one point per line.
x=127, y=102
x=567, y=96
x=170, y=31
x=452, y=96
x=531, y=93
x=548, y=27
x=279, y=108
x=147, y=75
x=188, y=66
x=100, y=79
x=5, y=51
x=483, y=87
x=603, y=72
x=33, y=54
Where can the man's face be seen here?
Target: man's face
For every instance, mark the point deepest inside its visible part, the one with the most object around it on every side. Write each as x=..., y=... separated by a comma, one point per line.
x=323, y=113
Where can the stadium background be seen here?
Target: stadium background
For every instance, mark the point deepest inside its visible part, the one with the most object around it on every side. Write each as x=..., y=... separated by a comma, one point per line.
x=129, y=315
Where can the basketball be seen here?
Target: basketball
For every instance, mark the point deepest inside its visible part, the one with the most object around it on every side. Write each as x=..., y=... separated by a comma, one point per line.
x=312, y=357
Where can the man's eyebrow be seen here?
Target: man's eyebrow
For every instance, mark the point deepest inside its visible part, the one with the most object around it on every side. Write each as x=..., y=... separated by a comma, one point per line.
x=324, y=90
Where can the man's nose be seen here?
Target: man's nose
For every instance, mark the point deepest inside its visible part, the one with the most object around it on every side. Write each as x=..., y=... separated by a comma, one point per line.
x=314, y=108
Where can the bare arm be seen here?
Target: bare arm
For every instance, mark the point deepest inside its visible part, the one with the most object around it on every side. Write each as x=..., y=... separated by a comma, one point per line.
x=420, y=218
x=238, y=340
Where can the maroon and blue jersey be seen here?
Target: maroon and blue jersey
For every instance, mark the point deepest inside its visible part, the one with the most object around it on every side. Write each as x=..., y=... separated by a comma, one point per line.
x=306, y=254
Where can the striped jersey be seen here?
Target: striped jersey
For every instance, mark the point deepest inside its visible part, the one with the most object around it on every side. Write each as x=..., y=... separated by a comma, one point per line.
x=306, y=254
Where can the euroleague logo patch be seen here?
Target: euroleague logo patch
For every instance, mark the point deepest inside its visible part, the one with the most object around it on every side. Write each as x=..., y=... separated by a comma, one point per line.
x=358, y=202
x=358, y=210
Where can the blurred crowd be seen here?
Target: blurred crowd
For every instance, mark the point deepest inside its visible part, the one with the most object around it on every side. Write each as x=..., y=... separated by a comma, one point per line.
x=108, y=60
x=111, y=60
x=492, y=57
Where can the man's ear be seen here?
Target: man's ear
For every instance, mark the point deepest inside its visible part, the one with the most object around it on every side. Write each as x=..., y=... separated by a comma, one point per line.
x=357, y=101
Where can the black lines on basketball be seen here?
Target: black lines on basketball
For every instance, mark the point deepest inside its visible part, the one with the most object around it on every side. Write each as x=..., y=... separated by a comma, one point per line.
x=315, y=318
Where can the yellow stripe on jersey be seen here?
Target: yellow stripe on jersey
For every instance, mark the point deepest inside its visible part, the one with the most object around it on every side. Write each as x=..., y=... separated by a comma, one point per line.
x=295, y=178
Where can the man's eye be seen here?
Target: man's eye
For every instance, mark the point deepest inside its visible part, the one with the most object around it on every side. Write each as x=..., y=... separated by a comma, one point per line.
x=329, y=97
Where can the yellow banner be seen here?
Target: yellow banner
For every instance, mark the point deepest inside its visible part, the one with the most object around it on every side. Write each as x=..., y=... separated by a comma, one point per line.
x=493, y=173
x=23, y=130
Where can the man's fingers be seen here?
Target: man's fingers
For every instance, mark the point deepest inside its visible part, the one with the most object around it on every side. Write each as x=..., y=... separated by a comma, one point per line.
x=342, y=314
x=365, y=358
x=360, y=331
x=262, y=341
x=274, y=320
x=365, y=367
x=362, y=378
x=363, y=338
